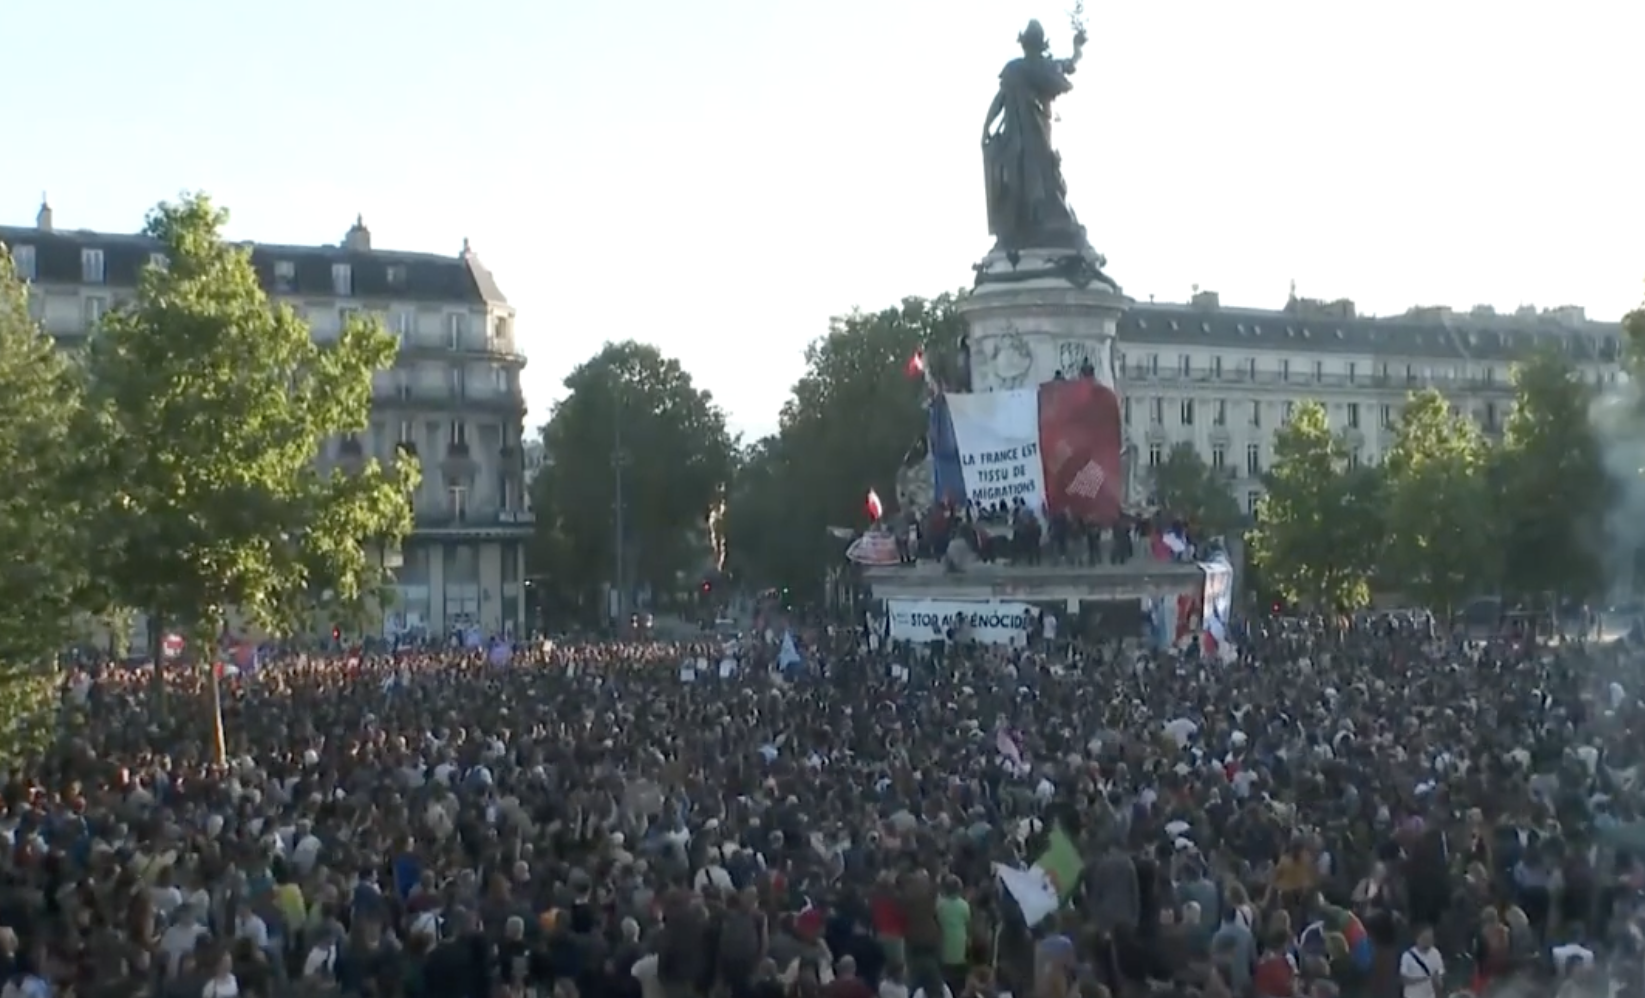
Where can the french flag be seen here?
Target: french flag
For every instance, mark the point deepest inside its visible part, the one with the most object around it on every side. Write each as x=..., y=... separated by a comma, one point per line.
x=1168, y=545
x=1055, y=448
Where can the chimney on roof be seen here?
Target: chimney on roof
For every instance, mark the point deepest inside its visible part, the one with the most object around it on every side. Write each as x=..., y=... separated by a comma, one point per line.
x=467, y=250
x=358, y=239
x=1208, y=300
x=42, y=220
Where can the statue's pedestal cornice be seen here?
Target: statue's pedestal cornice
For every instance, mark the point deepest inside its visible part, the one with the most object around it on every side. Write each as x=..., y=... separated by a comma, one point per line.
x=1043, y=267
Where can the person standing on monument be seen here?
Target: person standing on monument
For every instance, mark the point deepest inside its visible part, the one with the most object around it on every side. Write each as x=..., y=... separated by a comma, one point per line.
x=1027, y=197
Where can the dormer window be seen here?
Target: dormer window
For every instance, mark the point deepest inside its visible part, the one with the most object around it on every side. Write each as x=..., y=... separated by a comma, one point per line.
x=22, y=257
x=285, y=277
x=91, y=266
x=342, y=280
x=396, y=275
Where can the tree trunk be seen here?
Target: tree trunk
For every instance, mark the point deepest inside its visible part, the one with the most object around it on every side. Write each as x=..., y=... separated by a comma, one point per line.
x=157, y=656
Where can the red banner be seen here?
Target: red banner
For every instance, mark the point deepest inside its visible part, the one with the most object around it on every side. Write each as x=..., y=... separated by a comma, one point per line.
x=1080, y=443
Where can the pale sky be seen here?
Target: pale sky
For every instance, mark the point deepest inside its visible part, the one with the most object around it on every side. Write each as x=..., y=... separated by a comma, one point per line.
x=719, y=177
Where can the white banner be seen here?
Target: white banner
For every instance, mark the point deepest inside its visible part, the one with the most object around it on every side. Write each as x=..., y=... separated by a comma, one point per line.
x=997, y=435
x=986, y=622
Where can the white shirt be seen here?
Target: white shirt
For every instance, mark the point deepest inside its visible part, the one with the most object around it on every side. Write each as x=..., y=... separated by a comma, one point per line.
x=178, y=941
x=715, y=875
x=166, y=899
x=645, y=971
x=321, y=961
x=250, y=926
x=1571, y=951
x=1426, y=964
x=307, y=853
x=221, y=987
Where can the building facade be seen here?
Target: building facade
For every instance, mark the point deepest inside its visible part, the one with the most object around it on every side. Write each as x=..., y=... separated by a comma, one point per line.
x=453, y=396
x=1225, y=379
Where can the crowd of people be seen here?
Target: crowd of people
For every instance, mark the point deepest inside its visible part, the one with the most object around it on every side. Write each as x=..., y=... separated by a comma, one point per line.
x=1013, y=532
x=1346, y=809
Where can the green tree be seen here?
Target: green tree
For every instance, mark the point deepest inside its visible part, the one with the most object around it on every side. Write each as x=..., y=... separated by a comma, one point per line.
x=850, y=425
x=1189, y=488
x=1443, y=536
x=629, y=401
x=43, y=517
x=1319, y=523
x=1552, y=488
x=211, y=405
x=764, y=540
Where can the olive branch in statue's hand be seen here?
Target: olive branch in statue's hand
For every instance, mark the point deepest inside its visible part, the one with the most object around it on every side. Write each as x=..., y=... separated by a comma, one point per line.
x=1076, y=19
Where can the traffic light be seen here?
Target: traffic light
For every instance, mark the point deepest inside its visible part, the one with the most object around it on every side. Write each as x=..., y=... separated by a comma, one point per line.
x=336, y=634
x=707, y=587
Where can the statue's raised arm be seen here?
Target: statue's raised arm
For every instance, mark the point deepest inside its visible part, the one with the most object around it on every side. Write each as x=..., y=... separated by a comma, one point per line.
x=1072, y=62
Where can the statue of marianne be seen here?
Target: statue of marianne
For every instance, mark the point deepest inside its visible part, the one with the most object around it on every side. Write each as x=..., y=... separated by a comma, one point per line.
x=1027, y=197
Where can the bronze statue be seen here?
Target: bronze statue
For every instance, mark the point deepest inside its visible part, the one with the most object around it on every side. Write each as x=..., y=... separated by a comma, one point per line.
x=1027, y=198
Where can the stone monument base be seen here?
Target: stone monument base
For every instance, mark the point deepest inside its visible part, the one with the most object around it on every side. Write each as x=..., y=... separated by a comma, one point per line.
x=1036, y=313
x=1070, y=585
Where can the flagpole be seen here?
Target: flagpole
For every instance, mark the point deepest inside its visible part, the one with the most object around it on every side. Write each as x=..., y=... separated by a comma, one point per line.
x=219, y=745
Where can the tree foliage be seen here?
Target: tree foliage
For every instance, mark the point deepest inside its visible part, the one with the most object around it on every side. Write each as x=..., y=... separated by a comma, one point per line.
x=1444, y=543
x=208, y=405
x=1319, y=523
x=1531, y=516
x=848, y=426
x=42, y=516
x=677, y=455
x=1553, y=493
x=46, y=549
x=1190, y=489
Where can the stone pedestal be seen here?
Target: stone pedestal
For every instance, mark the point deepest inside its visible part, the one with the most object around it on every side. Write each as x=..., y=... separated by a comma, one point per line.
x=1037, y=312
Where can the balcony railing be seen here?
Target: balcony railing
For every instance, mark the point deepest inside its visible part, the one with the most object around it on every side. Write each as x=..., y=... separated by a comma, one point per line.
x=417, y=397
x=470, y=519
x=466, y=347
x=1303, y=379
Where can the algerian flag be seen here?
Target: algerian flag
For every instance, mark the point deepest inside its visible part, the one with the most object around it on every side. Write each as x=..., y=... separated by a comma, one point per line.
x=1061, y=862
x=1031, y=889
x=1042, y=888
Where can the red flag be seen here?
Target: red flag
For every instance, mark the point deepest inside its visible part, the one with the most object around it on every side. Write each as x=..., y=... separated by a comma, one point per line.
x=916, y=365
x=876, y=509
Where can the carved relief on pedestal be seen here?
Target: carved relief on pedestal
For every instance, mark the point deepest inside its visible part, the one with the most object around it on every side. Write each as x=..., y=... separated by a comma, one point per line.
x=1007, y=360
x=1073, y=354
